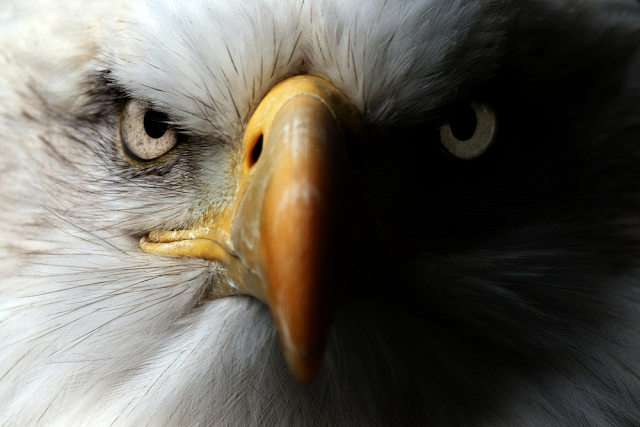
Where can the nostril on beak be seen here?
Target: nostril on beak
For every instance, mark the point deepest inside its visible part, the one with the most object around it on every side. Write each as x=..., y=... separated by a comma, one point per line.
x=256, y=151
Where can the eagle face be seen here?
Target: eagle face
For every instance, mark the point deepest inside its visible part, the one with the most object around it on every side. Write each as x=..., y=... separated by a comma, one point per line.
x=319, y=213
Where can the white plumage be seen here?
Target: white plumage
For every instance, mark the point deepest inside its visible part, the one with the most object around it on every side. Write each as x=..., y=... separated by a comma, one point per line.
x=520, y=310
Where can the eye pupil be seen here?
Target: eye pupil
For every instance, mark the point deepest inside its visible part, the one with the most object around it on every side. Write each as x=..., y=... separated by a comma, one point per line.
x=155, y=124
x=463, y=122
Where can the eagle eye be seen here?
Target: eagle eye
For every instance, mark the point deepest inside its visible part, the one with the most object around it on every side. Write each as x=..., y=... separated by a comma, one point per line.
x=470, y=130
x=146, y=134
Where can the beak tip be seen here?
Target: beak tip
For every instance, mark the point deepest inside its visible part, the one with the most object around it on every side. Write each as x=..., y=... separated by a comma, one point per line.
x=305, y=369
x=303, y=351
x=303, y=339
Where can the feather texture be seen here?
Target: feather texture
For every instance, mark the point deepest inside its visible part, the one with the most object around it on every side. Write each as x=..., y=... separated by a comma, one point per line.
x=524, y=311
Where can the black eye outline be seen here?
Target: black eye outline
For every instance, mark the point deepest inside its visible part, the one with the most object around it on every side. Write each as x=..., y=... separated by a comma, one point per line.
x=470, y=131
x=154, y=123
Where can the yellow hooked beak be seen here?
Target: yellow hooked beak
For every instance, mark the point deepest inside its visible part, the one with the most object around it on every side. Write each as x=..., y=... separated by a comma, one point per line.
x=296, y=219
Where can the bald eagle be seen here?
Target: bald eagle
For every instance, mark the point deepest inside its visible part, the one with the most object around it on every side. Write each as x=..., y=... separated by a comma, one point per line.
x=320, y=213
